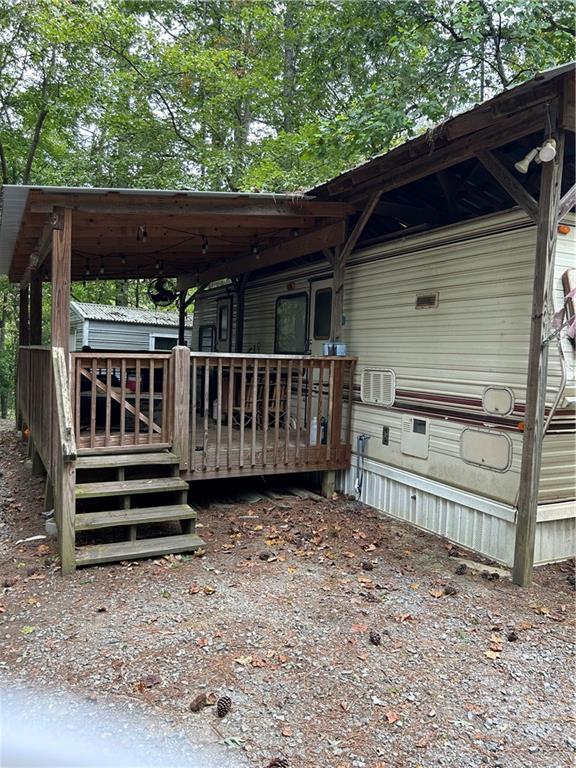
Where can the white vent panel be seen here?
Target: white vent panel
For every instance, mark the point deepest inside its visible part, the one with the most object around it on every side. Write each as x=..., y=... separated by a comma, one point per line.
x=378, y=386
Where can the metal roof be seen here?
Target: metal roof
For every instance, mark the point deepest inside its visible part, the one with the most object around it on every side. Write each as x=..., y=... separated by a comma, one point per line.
x=13, y=198
x=136, y=315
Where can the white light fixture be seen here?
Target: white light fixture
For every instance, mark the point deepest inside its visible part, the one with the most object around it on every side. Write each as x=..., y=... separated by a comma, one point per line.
x=523, y=165
x=547, y=151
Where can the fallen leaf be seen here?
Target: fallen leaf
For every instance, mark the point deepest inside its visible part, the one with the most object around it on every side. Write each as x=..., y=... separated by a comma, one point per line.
x=414, y=586
x=438, y=593
x=257, y=661
x=404, y=617
x=148, y=681
x=202, y=642
x=287, y=731
x=27, y=630
x=194, y=589
x=492, y=654
x=392, y=716
x=359, y=627
x=243, y=660
x=208, y=590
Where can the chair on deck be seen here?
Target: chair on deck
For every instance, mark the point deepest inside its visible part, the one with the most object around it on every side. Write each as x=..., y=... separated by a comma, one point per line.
x=251, y=409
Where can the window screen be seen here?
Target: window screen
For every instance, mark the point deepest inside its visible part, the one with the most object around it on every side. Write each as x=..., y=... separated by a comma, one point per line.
x=322, y=313
x=291, y=324
x=223, y=321
x=206, y=338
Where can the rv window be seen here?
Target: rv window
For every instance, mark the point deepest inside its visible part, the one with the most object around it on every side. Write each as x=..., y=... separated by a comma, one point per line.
x=291, y=324
x=206, y=338
x=223, y=321
x=322, y=313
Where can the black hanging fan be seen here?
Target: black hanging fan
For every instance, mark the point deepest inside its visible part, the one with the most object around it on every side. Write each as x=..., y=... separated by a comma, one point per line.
x=162, y=292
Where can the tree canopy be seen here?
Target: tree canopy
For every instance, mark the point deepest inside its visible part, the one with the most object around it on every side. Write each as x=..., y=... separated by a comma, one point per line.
x=248, y=94
x=242, y=94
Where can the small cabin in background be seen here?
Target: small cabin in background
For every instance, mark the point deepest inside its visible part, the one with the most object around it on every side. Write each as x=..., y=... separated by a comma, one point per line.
x=132, y=329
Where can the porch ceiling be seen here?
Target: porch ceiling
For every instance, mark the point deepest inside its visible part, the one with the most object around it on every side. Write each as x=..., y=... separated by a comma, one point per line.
x=138, y=233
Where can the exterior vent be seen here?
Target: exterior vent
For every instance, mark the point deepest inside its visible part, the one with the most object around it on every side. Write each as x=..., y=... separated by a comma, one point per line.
x=427, y=301
x=378, y=386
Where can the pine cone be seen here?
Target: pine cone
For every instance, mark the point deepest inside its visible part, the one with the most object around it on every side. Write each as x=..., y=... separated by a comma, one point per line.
x=450, y=589
x=223, y=706
x=461, y=570
x=278, y=762
x=375, y=637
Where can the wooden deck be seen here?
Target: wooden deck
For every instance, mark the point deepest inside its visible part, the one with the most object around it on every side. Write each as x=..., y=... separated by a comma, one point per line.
x=110, y=415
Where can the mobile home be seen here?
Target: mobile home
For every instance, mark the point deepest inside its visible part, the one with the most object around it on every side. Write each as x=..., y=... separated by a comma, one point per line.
x=405, y=329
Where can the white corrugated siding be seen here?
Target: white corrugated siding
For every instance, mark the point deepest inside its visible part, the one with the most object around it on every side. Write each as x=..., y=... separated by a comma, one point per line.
x=125, y=337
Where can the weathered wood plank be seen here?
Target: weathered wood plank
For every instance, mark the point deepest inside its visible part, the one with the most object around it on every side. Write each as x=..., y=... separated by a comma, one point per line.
x=130, y=550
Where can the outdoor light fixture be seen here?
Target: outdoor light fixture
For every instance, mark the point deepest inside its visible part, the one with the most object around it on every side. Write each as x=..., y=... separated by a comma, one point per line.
x=205, y=246
x=523, y=165
x=547, y=151
x=142, y=234
x=255, y=249
x=543, y=154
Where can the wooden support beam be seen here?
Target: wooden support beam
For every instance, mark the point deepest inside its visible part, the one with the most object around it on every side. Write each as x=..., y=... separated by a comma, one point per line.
x=550, y=183
x=61, y=262
x=317, y=240
x=36, y=310
x=210, y=207
x=240, y=284
x=341, y=255
x=512, y=186
x=182, y=305
x=567, y=203
x=181, y=405
x=24, y=318
x=451, y=201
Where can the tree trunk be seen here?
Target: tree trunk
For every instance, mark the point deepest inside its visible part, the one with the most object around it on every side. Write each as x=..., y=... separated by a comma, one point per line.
x=289, y=74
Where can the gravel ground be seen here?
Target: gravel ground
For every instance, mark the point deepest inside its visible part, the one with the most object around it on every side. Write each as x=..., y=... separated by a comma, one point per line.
x=277, y=614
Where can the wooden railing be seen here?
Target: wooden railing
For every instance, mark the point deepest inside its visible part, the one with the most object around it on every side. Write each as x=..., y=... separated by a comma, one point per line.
x=35, y=398
x=253, y=414
x=122, y=399
x=44, y=405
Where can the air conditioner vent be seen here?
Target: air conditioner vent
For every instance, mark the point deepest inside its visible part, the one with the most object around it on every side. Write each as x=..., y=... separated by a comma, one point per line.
x=378, y=386
x=426, y=301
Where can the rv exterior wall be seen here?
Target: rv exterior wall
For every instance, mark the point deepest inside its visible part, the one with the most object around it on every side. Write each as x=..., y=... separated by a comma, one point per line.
x=444, y=357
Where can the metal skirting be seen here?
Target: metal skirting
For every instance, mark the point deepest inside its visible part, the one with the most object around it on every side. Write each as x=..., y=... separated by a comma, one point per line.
x=474, y=522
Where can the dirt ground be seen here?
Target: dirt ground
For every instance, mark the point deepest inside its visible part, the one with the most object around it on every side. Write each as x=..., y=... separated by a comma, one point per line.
x=277, y=614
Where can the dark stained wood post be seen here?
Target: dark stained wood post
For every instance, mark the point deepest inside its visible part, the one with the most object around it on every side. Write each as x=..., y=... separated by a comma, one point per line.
x=36, y=309
x=61, y=264
x=182, y=318
x=241, y=283
x=24, y=318
x=550, y=184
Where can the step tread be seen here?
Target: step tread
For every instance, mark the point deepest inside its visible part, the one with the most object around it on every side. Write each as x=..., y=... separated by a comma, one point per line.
x=87, y=521
x=124, y=487
x=95, y=461
x=129, y=550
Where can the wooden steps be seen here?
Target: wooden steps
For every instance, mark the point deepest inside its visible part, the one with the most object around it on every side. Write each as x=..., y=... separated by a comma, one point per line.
x=137, y=493
x=110, y=461
x=88, y=521
x=131, y=550
x=128, y=487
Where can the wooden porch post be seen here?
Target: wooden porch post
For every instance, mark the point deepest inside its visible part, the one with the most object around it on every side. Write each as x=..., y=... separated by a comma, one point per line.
x=36, y=309
x=61, y=264
x=182, y=306
x=240, y=284
x=550, y=184
x=24, y=318
x=339, y=260
x=181, y=405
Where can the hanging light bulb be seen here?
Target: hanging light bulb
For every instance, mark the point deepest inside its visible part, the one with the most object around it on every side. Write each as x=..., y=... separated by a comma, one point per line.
x=142, y=233
x=205, y=246
x=547, y=151
x=157, y=265
x=255, y=249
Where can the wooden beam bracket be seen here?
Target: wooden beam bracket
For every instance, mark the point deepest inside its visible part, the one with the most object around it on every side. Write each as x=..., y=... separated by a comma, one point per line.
x=509, y=183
